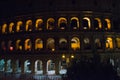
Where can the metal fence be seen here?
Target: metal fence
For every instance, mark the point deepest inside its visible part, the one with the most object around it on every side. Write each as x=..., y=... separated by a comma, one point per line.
x=10, y=76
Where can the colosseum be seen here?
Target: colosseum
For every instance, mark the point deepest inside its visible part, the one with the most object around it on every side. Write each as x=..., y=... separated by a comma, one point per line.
x=44, y=42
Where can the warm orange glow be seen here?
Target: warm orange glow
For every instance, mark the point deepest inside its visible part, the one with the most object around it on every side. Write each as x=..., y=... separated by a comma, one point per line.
x=75, y=43
x=29, y=25
x=4, y=27
x=62, y=20
x=53, y=49
x=63, y=56
x=89, y=23
x=99, y=23
x=50, y=23
x=18, y=46
x=109, y=43
x=19, y=25
x=11, y=27
x=28, y=44
x=108, y=24
x=72, y=56
x=38, y=24
x=38, y=44
x=118, y=42
x=62, y=40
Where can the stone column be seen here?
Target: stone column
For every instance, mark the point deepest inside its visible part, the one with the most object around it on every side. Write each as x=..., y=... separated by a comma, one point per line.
x=44, y=67
x=22, y=66
x=14, y=66
x=57, y=67
x=5, y=66
x=33, y=67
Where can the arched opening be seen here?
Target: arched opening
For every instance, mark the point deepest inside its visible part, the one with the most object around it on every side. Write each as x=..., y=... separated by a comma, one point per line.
x=3, y=45
x=74, y=24
x=39, y=24
x=63, y=44
x=109, y=43
x=28, y=25
x=38, y=67
x=98, y=43
x=18, y=66
x=51, y=44
x=10, y=45
x=18, y=45
x=50, y=24
x=75, y=43
x=107, y=24
x=86, y=23
x=9, y=66
x=62, y=67
x=28, y=44
x=2, y=65
x=62, y=23
x=87, y=45
x=11, y=27
x=112, y=62
x=97, y=24
x=50, y=67
x=27, y=66
x=4, y=28
x=38, y=44
x=19, y=26
x=118, y=43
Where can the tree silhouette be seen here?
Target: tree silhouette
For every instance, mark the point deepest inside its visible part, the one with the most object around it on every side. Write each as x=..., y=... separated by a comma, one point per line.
x=88, y=69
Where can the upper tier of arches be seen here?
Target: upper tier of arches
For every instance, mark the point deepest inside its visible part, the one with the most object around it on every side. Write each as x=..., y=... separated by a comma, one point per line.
x=53, y=24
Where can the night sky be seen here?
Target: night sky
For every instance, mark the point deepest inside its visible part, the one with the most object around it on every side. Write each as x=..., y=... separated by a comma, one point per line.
x=19, y=7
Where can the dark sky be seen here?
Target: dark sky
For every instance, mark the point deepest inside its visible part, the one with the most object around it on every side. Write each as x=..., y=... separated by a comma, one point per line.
x=16, y=7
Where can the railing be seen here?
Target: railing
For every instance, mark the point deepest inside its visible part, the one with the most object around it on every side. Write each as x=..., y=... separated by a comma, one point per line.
x=10, y=76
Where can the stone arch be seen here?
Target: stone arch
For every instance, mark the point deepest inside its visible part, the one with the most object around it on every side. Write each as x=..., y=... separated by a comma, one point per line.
x=97, y=24
x=9, y=66
x=38, y=67
x=18, y=66
x=50, y=67
x=18, y=45
x=98, y=43
x=2, y=65
x=86, y=23
x=11, y=27
x=63, y=43
x=38, y=44
x=27, y=66
x=10, y=45
x=3, y=45
x=28, y=44
x=50, y=24
x=109, y=43
x=87, y=43
x=118, y=43
x=62, y=67
x=28, y=25
x=50, y=44
x=74, y=23
x=19, y=26
x=4, y=28
x=75, y=43
x=107, y=24
x=62, y=23
x=39, y=24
